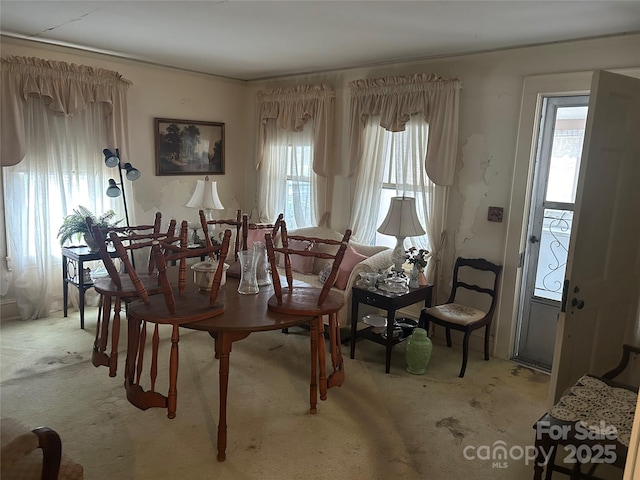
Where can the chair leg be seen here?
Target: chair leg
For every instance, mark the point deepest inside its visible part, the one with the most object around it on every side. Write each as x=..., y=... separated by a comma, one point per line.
x=98, y=356
x=336, y=379
x=486, y=342
x=322, y=360
x=448, y=336
x=115, y=338
x=465, y=353
x=172, y=397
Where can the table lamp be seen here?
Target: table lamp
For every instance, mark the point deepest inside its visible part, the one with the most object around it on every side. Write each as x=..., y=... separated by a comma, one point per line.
x=401, y=222
x=205, y=197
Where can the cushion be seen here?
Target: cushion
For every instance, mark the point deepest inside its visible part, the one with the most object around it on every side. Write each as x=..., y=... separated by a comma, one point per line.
x=319, y=264
x=351, y=259
x=456, y=313
x=255, y=235
x=298, y=262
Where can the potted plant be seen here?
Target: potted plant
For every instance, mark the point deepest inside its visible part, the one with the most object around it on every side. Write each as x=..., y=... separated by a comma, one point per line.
x=76, y=224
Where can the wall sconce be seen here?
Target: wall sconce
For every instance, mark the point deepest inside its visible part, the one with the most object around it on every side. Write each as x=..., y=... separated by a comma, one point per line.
x=112, y=160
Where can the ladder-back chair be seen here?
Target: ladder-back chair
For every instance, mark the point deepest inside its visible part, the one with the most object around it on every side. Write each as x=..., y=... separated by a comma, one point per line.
x=117, y=286
x=303, y=299
x=233, y=224
x=171, y=308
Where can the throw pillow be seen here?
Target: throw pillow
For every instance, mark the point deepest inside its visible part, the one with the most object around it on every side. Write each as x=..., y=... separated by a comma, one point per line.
x=298, y=262
x=351, y=259
x=255, y=235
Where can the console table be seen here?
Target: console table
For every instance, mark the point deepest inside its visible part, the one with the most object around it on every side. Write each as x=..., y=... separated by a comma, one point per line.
x=391, y=302
x=73, y=259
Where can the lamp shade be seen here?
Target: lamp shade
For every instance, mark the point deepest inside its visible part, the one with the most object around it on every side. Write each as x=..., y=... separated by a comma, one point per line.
x=113, y=190
x=111, y=159
x=205, y=196
x=402, y=219
x=132, y=172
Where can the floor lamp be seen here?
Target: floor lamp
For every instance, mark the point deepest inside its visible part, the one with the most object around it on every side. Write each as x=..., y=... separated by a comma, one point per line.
x=112, y=160
x=113, y=190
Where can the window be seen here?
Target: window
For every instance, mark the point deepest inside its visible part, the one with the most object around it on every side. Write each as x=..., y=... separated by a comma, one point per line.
x=287, y=183
x=393, y=165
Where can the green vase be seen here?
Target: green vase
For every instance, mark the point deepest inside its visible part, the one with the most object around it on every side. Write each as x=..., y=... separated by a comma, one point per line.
x=418, y=349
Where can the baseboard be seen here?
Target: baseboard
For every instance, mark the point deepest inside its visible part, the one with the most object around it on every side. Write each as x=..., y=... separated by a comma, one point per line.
x=9, y=310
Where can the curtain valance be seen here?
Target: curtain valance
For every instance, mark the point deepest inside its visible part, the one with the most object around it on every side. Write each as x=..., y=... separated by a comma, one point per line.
x=292, y=107
x=396, y=99
x=67, y=88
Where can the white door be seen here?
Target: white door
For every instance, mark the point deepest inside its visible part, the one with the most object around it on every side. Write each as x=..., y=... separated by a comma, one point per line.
x=601, y=297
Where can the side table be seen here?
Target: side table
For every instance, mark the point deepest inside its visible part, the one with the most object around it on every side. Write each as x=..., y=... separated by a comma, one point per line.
x=391, y=302
x=73, y=259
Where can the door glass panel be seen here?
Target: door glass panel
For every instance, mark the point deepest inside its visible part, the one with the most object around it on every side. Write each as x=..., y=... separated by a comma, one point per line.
x=568, y=135
x=552, y=259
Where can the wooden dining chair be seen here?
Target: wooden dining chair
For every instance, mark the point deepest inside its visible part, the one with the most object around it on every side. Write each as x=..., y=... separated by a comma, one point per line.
x=303, y=299
x=172, y=308
x=34, y=454
x=456, y=314
x=236, y=227
x=255, y=232
x=117, y=286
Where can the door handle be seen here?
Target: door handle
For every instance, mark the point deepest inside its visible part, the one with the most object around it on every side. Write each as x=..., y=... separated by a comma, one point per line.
x=533, y=239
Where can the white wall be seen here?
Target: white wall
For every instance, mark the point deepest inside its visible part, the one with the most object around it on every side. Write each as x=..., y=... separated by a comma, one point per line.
x=167, y=93
x=489, y=114
x=489, y=111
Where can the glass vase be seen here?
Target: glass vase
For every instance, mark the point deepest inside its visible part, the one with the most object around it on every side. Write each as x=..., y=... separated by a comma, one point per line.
x=413, y=277
x=248, y=279
x=263, y=272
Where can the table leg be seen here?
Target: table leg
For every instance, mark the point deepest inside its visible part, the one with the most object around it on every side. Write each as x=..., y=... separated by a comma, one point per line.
x=223, y=342
x=65, y=285
x=391, y=320
x=81, y=292
x=223, y=348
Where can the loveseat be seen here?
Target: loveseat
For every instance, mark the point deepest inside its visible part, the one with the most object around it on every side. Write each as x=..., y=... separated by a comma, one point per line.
x=378, y=257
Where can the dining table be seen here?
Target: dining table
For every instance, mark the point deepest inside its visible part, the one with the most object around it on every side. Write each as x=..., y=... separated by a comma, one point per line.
x=244, y=315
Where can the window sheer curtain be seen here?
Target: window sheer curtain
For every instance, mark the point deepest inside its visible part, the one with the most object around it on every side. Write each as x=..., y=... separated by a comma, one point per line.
x=425, y=108
x=287, y=165
x=294, y=123
x=62, y=116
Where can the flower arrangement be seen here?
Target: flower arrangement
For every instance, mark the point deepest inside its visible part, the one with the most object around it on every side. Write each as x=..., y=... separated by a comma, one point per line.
x=416, y=257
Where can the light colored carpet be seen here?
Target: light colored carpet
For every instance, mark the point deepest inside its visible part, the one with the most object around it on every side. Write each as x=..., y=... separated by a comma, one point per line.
x=376, y=426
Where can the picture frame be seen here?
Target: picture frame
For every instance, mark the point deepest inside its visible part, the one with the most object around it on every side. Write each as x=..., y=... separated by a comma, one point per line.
x=189, y=147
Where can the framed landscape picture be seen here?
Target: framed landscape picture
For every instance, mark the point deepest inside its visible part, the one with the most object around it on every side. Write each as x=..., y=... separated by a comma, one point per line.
x=189, y=147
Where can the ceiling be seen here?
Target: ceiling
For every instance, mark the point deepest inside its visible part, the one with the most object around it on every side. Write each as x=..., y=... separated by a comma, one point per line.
x=253, y=40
